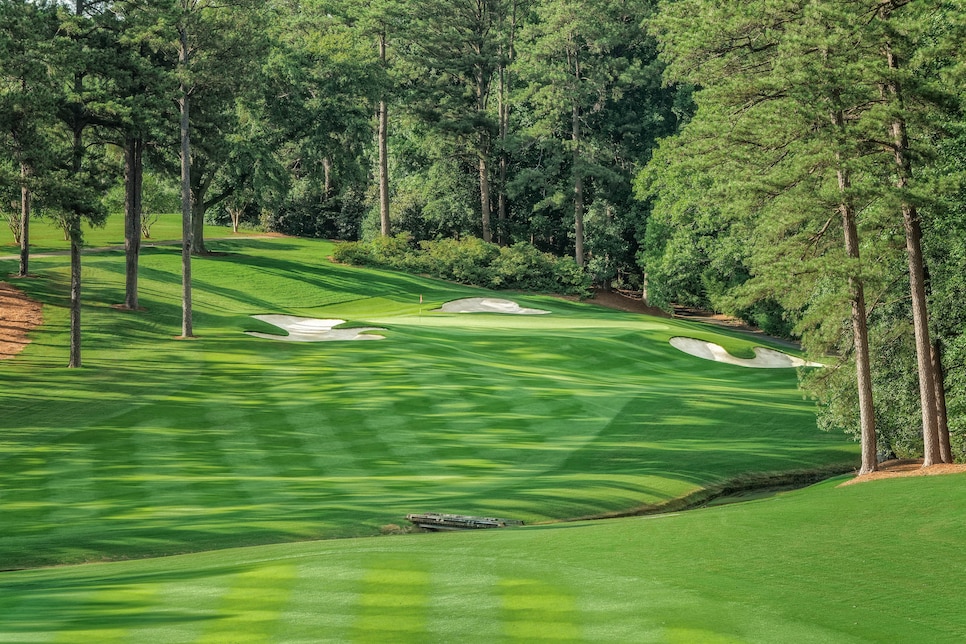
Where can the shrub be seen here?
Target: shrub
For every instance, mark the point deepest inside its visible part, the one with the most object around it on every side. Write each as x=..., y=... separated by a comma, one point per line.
x=471, y=261
x=391, y=252
x=355, y=253
x=466, y=261
x=524, y=267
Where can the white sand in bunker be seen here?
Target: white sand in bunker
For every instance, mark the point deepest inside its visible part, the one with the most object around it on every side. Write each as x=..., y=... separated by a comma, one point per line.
x=764, y=358
x=312, y=330
x=488, y=305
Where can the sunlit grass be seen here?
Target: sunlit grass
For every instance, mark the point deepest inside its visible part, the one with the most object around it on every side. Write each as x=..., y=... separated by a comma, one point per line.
x=161, y=446
x=876, y=562
x=47, y=237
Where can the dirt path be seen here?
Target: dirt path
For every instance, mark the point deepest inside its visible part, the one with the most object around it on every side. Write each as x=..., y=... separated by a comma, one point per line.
x=18, y=316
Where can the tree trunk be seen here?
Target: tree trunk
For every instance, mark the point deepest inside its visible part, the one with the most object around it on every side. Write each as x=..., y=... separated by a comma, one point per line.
x=186, y=325
x=928, y=394
x=503, y=110
x=860, y=326
x=327, y=177
x=133, y=176
x=75, y=294
x=197, y=203
x=481, y=76
x=235, y=212
x=74, y=226
x=942, y=415
x=383, y=144
x=485, y=196
x=24, y=221
x=504, y=115
x=860, y=335
x=578, y=190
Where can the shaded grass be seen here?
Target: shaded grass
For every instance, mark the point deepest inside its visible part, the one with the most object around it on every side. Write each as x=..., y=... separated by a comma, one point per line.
x=876, y=562
x=160, y=446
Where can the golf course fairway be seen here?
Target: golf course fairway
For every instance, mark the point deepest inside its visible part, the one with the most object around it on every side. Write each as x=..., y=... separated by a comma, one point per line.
x=231, y=469
x=874, y=562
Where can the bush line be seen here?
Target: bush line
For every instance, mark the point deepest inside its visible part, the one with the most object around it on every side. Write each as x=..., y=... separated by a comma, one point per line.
x=471, y=261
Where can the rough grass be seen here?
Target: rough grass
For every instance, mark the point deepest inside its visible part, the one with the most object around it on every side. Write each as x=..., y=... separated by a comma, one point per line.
x=161, y=446
x=877, y=562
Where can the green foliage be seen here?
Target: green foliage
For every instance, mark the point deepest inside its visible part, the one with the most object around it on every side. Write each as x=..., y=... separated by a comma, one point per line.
x=467, y=261
x=523, y=267
x=471, y=261
x=792, y=126
x=160, y=195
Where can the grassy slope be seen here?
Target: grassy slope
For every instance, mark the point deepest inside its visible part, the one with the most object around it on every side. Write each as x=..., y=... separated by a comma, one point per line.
x=162, y=446
x=45, y=238
x=877, y=562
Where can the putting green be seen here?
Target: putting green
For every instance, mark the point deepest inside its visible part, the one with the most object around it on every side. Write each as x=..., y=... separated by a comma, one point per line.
x=876, y=562
x=160, y=446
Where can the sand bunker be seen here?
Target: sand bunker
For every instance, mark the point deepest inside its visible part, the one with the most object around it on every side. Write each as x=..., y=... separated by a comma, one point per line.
x=764, y=358
x=488, y=305
x=312, y=330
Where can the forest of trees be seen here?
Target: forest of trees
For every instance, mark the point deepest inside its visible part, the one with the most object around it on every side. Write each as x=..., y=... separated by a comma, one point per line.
x=797, y=164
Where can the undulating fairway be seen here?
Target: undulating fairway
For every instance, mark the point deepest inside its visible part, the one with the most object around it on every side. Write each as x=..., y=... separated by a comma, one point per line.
x=875, y=562
x=160, y=446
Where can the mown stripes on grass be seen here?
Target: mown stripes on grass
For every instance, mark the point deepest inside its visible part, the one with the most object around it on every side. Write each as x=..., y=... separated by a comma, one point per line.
x=160, y=446
x=791, y=568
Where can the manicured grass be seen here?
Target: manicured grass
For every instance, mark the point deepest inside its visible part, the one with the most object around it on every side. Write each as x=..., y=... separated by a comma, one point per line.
x=875, y=562
x=45, y=237
x=161, y=446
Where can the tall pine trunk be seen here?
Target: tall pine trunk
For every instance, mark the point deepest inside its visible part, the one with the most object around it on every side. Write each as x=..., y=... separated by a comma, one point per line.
x=503, y=110
x=928, y=393
x=74, y=227
x=24, y=221
x=942, y=415
x=187, y=330
x=860, y=326
x=578, y=189
x=485, y=195
x=383, y=145
x=506, y=60
x=75, y=294
x=481, y=78
x=133, y=178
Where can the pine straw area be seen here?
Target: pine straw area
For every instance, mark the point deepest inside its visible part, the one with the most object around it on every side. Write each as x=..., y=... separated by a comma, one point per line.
x=908, y=467
x=18, y=316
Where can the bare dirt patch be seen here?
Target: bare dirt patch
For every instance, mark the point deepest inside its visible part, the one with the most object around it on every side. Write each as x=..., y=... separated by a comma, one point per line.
x=18, y=316
x=900, y=468
x=626, y=301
